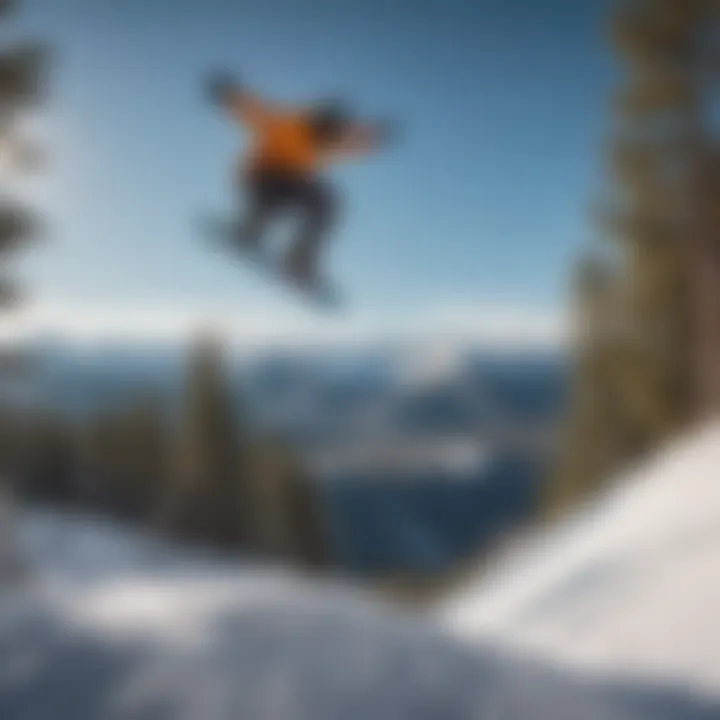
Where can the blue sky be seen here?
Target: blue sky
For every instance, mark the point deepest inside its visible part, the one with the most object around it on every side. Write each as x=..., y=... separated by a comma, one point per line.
x=503, y=106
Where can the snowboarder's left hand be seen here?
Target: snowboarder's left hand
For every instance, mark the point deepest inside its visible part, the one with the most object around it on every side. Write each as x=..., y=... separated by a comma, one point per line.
x=386, y=132
x=221, y=86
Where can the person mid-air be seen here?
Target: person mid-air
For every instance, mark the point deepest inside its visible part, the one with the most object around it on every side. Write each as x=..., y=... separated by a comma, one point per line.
x=289, y=151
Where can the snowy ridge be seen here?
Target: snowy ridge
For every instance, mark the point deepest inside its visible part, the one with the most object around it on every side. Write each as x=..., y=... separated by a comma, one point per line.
x=628, y=587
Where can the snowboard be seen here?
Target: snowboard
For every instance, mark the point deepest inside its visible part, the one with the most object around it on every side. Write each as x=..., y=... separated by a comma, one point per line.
x=321, y=291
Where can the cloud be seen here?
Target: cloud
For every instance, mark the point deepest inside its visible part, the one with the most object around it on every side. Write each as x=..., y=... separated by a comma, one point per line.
x=468, y=323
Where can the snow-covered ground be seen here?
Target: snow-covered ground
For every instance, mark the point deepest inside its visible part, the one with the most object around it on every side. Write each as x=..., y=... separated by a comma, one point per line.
x=611, y=618
x=629, y=587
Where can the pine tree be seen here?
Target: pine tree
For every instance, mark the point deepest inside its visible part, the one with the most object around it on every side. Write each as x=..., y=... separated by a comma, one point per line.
x=22, y=71
x=22, y=74
x=652, y=161
x=145, y=443
x=208, y=494
x=125, y=464
x=659, y=366
x=52, y=461
x=590, y=425
x=287, y=521
x=98, y=452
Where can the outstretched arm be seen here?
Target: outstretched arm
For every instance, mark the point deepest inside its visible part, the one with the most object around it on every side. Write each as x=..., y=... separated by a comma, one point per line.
x=245, y=106
x=359, y=139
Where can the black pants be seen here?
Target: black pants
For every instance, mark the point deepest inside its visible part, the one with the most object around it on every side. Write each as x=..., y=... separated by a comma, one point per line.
x=271, y=192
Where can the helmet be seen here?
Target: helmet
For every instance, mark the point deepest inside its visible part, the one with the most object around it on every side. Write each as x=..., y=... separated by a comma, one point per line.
x=328, y=119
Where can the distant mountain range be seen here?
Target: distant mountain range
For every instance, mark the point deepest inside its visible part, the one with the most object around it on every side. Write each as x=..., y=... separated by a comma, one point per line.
x=325, y=396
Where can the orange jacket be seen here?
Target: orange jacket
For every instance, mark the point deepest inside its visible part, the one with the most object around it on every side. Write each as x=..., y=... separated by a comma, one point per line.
x=283, y=139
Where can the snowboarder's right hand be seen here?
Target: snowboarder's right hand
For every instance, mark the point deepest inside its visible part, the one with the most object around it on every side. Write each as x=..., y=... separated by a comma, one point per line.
x=385, y=132
x=220, y=87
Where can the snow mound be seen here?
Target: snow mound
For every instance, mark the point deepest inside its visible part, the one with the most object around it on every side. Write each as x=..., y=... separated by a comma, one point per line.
x=629, y=587
x=112, y=623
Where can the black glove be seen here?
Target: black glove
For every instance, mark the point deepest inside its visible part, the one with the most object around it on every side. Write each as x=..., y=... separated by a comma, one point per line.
x=220, y=87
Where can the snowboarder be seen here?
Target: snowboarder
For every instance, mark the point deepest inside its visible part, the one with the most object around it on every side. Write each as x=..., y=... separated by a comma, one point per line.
x=290, y=149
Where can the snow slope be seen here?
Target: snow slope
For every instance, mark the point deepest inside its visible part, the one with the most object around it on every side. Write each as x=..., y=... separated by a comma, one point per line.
x=630, y=587
x=115, y=625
